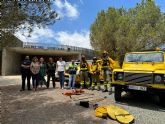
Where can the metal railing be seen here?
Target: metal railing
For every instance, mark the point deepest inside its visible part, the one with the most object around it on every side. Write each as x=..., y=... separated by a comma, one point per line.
x=90, y=52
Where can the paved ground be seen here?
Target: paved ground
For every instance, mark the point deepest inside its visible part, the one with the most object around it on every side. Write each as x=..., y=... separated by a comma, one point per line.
x=49, y=106
x=10, y=80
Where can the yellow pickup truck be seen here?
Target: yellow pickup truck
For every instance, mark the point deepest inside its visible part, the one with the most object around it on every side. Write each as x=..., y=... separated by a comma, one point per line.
x=141, y=71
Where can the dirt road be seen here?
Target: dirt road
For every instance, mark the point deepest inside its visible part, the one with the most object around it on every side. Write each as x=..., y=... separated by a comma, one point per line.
x=46, y=106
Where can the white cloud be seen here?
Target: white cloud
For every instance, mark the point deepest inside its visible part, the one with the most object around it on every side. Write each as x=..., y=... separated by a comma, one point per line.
x=66, y=9
x=46, y=35
x=74, y=39
x=59, y=4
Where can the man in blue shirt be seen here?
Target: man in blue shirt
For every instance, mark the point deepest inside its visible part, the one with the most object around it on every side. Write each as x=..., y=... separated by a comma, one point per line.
x=26, y=74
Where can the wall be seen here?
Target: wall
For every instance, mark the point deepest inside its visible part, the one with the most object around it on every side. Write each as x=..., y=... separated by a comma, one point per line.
x=11, y=62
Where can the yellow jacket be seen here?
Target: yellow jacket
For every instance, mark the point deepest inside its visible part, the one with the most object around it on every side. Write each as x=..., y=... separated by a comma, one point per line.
x=113, y=64
x=94, y=67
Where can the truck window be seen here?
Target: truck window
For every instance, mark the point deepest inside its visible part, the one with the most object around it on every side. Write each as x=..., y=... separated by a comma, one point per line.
x=144, y=57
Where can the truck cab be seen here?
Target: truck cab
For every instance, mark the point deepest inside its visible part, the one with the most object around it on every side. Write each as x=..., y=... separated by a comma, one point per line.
x=141, y=71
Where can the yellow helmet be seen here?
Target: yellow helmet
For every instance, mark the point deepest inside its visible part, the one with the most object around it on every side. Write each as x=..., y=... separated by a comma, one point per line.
x=105, y=53
x=157, y=49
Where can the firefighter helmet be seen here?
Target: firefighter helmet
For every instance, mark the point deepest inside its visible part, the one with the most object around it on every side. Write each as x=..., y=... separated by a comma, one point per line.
x=105, y=53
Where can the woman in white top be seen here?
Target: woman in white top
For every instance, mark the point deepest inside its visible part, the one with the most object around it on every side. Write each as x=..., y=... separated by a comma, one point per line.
x=35, y=68
x=60, y=66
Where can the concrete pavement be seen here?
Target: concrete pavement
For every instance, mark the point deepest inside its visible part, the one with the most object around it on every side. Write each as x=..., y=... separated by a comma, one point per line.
x=10, y=80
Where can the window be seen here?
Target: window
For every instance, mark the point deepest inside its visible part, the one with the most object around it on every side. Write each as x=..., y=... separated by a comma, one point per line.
x=144, y=57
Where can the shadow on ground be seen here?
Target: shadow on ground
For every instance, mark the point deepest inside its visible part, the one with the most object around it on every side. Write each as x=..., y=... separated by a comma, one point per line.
x=142, y=100
x=36, y=108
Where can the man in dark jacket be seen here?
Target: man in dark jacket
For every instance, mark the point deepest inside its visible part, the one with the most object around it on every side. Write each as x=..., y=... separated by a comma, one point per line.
x=26, y=74
x=51, y=67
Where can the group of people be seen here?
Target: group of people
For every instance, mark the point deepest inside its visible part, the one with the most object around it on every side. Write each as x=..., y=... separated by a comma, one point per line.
x=98, y=68
x=89, y=73
x=37, y=69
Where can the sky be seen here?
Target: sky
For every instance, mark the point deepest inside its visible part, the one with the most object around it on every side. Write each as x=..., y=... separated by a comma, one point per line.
x=76, y=17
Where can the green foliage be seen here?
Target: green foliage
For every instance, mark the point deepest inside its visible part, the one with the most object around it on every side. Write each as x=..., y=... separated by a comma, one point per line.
x=120, y=30
x=15, y=13
x=26, y=12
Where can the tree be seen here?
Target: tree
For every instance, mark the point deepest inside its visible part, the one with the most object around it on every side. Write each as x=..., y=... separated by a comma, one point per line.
x=31, y=12
x=120, y=30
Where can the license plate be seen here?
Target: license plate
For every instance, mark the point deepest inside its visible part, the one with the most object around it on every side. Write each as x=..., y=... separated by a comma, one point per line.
x=132, y=87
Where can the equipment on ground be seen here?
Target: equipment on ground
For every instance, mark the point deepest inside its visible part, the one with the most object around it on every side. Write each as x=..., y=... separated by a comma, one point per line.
x=73, y=92
x=101, y=112
x=87, y=103
x=82, y=98
x=115, y=113
x=123, y=116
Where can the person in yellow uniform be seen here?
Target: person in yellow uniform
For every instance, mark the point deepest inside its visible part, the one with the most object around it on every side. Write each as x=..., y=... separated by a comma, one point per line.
x=84, y=68
x=106, y=70
x=94, y=70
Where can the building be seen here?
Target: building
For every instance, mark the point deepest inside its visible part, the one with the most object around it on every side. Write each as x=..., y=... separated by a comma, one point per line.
x=12, y=56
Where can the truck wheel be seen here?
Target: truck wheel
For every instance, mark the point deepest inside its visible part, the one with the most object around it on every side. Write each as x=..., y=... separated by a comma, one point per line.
x=117, y=94
x=162, y=99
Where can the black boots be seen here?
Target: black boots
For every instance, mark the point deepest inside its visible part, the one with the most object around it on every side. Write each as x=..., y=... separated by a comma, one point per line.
x=105, y=89
x=54, y=85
